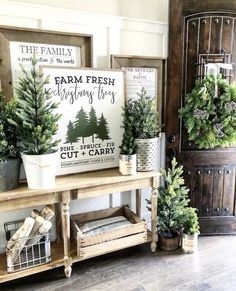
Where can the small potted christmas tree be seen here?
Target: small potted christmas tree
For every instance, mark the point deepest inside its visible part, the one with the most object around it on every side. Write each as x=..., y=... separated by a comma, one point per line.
x=38, y=125
x=9, y=151
x=145, y=129
x=127, y=158
x=190, y=230
x=172, y=202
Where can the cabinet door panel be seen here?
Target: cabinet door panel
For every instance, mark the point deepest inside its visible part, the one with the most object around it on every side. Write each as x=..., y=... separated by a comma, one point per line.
x=197, y=180
x=217, y=191
x=211, y=190
x=215, y=40
x=207, y=192
x=228, y=194
x=205, y=24
x=227, y=34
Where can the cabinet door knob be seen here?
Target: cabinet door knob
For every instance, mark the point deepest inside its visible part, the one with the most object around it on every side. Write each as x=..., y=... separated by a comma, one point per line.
x=172, y=153
x=227, y=209
x=218, y=209
x=172, y=138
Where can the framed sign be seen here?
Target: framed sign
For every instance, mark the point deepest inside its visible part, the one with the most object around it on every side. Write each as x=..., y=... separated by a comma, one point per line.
x=137, y=77
x=17, y=45
x=46, y=54
x=147, y=72
x=90, y=101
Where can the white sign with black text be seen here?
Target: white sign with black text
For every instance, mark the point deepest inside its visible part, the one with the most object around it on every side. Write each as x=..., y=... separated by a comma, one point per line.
x=138, y=77
x=90, y=130
x=46, y=54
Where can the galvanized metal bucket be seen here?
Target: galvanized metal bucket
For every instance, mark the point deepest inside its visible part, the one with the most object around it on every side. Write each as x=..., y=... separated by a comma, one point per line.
x=128, y=164
x=146, y=149
x=9, y=174
x=189, y=243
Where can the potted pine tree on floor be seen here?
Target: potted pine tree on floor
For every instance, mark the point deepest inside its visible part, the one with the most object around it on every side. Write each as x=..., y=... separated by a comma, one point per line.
x=190, y=231
x=9, y=151
x=38, y=125
x=172, y=202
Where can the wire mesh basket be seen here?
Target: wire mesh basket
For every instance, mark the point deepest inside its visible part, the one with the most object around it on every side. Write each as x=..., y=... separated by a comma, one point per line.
x=36, y=250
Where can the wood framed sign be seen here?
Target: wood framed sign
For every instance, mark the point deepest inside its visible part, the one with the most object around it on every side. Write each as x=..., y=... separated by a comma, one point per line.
x=46, y=54
x=90, y=101
x=147, y=72
x=17, y=45
x=137, y=78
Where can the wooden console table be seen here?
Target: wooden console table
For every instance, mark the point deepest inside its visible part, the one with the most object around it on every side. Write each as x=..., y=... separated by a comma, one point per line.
x=76, y=186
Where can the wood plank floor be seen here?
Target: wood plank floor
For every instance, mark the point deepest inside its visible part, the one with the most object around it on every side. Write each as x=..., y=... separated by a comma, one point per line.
x=213, y=267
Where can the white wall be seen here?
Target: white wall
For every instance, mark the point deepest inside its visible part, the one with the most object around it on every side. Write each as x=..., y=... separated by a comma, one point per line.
x=112, y=34
x=156, y=10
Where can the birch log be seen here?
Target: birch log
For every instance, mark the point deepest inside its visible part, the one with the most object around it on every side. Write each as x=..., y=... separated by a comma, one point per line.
x=18, y=240
x=43, y=229
x=39, y=220
x=34, y=213
x=47, y=212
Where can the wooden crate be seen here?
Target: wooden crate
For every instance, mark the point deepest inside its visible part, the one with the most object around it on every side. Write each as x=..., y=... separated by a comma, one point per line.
x=106, y=241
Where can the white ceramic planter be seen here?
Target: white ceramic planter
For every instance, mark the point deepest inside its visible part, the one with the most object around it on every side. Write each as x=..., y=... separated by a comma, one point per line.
x=40, y=170
x=128, y=164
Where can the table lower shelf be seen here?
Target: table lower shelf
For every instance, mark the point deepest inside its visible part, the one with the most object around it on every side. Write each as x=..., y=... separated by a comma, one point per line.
x=57, y=260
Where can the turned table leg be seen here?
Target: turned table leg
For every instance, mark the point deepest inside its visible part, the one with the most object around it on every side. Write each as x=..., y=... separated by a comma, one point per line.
x=138, y=202
x=154, y=219
x=66, y=232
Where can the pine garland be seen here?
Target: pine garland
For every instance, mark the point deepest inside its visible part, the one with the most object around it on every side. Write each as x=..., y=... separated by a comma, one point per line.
x=209, y=113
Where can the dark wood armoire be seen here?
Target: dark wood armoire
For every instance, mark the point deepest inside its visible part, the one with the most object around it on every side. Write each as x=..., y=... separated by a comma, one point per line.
x=201, y=32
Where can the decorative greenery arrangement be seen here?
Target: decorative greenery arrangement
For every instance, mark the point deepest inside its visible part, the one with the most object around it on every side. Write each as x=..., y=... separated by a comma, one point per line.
x=191, y=224
x=38, y=123
x=172, y=201
x=8, y=128
x=209, y=113
x=128, y=145
x=143, y=116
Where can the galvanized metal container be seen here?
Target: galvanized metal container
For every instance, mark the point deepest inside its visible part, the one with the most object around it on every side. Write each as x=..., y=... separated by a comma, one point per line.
x=189, y=243
x=32, y=254
x=146, y=149
x=9, y=174
x=128, y=164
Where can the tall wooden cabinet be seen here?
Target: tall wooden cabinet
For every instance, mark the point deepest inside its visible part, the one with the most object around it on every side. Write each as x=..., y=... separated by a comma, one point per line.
x=202, y=32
